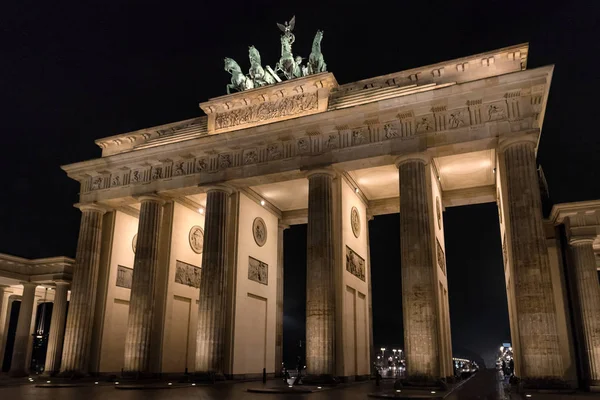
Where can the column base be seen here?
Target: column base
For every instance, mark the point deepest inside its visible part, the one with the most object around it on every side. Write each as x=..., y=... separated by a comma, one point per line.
x=18, y=373
x=324, y=379
x=72, y=374
x=208, y=377
x=546, y=384
x=140, y=376
x=421, y=382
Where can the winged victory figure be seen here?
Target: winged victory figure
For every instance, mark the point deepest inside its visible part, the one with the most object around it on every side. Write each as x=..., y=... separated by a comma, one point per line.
x=287, y=28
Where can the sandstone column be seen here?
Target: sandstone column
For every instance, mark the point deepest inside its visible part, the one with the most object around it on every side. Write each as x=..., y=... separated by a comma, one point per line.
x=536, y=314
x=210, y=339
x=3, y=310
x=588, y=294
x=320, y=289
x=419, y=283
x=279, y=315
x=370, y=217
x=57, y=329
x=78, y=333
x=20, y=365
x=143, y=287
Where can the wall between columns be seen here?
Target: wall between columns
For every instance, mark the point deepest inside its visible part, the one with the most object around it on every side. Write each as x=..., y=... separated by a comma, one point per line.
x=181, y=312
x=116, y=313
x=355, y=291
x=437, y=223
x=255, y=303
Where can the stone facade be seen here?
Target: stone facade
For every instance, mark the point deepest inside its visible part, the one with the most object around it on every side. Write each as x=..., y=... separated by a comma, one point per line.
x=216, y=192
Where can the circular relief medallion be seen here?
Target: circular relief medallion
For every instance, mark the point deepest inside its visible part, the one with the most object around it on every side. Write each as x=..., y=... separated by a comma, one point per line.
x=438, y=210
x=196, y=239
x=355, y=221
x=259, y=230
x=134, y=243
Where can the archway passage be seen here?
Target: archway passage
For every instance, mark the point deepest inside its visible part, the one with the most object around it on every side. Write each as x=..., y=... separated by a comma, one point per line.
x=10, y=337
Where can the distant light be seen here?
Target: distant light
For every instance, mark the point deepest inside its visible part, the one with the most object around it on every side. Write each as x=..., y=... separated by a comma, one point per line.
x=383, y=349
x=116, y=383
x=193, y=384
x=39, y=336
x=356, y=190
x=527, y=395
x=319, y=387
x=510, y=349
x=290, y=385
x=47, y=381
x=501, y=348
x=201, y=210
x=433, y=392
x=262, y=202
x=398, y=390
x=95, y=383
x=170, y=383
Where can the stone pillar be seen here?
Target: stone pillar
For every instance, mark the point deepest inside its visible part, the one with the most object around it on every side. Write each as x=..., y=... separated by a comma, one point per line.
x=320, y=288
x=20, y=365
x=279, y=312
x=57, y=329
x=370, y=296
x=78, y=333
x=210, y=339
x=540, y=356
x=588, y=294
x=419, y=283
x=143, y=287
x=3, y=308
x=5, y=318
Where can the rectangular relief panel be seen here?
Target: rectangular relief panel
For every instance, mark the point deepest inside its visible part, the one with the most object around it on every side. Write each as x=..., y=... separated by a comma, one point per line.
x=355, y=264
x=258, y=271
x=187, y=274
x=124, y=277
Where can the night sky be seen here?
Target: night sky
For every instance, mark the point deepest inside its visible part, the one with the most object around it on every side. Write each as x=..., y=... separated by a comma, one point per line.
x=75, y=71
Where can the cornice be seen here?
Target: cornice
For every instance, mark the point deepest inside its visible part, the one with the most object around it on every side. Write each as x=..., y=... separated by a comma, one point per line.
x=562, y=210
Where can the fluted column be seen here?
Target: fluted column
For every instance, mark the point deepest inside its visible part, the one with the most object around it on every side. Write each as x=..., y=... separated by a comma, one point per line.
x=418, y=270
x=57, y=329
x=536, y=313
x=370, y=296
x=279, y=312
x=3, y=311
x=78, y=333
x=210, y=339
x=588, y=294
x=320, y=289
x=143, y=287
x=20, y=365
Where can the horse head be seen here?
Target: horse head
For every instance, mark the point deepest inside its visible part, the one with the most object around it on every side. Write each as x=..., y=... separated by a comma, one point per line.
x=231, y=65
x=318, y=38
x=254, y=55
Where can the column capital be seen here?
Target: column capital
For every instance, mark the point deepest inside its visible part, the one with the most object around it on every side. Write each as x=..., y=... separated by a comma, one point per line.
x=92, y=207
x=219, y=188
x=61, y=282
x=423, y=157
x=283, y=226
x=321, y=171
x=581, y=240
x=26, y=283
x=151, y=197
x=504, y=144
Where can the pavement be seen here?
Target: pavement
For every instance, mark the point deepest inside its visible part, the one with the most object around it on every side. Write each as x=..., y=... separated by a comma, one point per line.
x=485, y=385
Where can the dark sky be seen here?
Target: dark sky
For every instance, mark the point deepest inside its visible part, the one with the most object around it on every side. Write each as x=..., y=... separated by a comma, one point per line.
x=75, y=71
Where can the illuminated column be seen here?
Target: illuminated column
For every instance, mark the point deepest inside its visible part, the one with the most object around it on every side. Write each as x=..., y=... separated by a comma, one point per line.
x=3, y=311
x=539, y=356
x=588, y=294
x=320, y=289
x=419, y=283
x=143, y=288
x=210, y=340
x=279, y=315
x=57, y=329
x=78, y=333
x=20, y=365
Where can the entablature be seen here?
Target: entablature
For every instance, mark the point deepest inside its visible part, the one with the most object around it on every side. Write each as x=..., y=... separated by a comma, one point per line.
x=474, y=112
x=38, y=270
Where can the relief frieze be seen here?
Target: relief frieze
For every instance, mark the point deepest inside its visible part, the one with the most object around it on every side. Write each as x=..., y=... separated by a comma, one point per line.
x=187, y=274
x=284, y=107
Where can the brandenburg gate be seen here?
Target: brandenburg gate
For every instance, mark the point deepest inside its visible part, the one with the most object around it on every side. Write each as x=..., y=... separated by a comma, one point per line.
x=179, y=263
